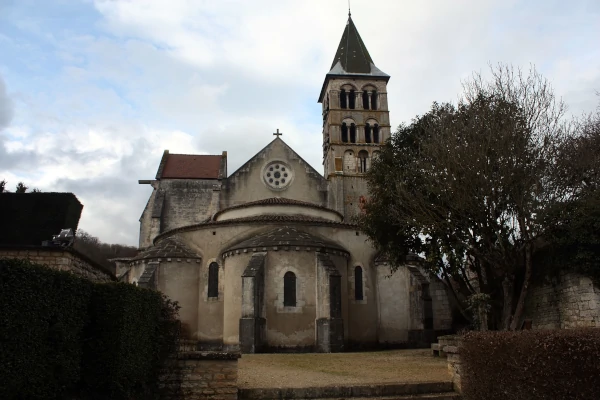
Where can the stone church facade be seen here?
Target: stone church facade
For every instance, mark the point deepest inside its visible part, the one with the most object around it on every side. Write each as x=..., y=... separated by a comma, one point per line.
x=268, y=258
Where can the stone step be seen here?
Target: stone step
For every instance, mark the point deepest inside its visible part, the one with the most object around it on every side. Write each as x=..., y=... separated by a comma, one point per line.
x=395, y=390
x=429, y=396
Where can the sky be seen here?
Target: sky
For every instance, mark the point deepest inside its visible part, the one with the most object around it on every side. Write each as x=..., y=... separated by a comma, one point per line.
x=93, y=91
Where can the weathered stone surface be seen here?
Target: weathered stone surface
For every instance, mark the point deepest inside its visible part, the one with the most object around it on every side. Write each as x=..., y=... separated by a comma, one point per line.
x=569, y=302
x=200, y=375
x=61, y=259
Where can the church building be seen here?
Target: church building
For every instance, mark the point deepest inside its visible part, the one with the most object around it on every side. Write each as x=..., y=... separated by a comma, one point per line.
x=268, y=258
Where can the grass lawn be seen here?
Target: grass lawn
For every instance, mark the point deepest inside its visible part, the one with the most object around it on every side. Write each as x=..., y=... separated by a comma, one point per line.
x=313, y=369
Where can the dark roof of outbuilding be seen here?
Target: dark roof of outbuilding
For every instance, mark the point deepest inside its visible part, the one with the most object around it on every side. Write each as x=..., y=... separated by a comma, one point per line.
x=167, y=248
x=286, y=237
x=276, y=201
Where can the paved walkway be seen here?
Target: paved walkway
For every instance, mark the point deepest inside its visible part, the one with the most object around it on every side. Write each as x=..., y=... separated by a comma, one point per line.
x=313, y=370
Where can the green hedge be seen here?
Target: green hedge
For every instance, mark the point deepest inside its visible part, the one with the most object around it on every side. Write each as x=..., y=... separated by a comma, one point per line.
x=64, y=337
x=42, y=314
x=531, y=365
x=30, y=218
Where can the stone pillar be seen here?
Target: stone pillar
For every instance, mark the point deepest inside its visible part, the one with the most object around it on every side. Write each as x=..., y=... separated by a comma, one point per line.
x=330, y=325
x=369, y=100
x=252, y=322
x=449, y=347
x=359, y=100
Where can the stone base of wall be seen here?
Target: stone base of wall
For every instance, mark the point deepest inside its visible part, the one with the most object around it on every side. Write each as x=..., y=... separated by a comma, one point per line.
x=200, y=375
x=61, y=259
x=570, y=302
x=449, y=347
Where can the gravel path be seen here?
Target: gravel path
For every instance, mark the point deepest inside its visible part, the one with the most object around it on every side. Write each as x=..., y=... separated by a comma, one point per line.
x=312, y=369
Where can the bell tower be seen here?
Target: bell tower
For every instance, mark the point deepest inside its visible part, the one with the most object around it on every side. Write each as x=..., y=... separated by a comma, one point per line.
x=356, y=121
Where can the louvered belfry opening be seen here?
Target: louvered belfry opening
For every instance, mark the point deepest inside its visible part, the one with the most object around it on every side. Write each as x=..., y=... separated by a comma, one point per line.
x=343, y=98
x=365, y=96
x=289, y=289
x=213, y=280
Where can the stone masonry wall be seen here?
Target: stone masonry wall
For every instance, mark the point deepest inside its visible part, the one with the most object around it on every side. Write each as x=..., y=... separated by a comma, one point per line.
x=197, y=375
x=61, y=260
x=572, y=302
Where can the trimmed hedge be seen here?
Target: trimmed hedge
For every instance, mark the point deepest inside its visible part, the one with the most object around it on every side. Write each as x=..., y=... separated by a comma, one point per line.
x=65, y=337
x=31, y=218
x=531, y=365
x=42, y=314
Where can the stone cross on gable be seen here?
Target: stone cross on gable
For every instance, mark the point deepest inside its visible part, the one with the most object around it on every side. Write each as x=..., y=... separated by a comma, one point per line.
x=277, y=133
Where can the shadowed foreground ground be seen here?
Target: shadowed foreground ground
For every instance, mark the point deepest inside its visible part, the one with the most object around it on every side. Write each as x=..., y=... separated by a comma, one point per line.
x=310, y=370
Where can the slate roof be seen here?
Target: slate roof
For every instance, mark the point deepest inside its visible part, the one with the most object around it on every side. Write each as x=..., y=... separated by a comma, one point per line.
x=261, y=219
x=189, y=166
x=352, y=58
x=286, y=237
x=352, y=52
x=167, y=248
x=274, y=201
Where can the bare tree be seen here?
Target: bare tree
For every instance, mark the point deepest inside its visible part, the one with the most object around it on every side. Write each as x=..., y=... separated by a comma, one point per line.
x=469, y=187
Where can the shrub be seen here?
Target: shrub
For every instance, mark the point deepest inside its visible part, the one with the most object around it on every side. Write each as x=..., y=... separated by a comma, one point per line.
x=127, y=335
x=65, y=337
x=42, y=315
x=531, y=365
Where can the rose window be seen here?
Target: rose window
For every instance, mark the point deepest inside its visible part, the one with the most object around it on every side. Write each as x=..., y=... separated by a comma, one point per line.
x=277, y=175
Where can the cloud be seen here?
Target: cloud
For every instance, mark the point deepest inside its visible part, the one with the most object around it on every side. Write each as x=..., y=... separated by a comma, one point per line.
x=98, y=95
x=6, y=106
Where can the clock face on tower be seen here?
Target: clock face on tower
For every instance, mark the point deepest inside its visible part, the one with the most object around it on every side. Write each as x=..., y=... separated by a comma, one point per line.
x=277, y=175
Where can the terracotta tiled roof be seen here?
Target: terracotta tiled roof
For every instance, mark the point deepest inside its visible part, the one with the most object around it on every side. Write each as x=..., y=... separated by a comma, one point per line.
x=167, y=248
x=191, y=166
x=276, y=201
x=286, y=237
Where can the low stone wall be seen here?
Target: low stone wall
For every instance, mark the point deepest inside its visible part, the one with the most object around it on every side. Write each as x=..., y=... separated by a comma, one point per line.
x=195, y=375
x=571, y=302
x=449, y=347
x=61, y=259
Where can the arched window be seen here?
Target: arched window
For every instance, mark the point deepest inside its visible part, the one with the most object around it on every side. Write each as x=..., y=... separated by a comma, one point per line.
x=352, y=100
x=353, y=133
x=362, y=161
x=213, y=280
x=289, y=289
x=365, y=96
x=374, y=100
x=344, y=132
x=358, y=283
x=343, y=103
x=368, y=132
x=376, y=134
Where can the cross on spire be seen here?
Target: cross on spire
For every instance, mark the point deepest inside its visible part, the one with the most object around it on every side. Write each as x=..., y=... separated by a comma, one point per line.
x=277, y=133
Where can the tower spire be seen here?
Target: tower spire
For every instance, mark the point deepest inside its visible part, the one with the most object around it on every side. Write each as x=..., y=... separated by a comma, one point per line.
x=349, y=13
